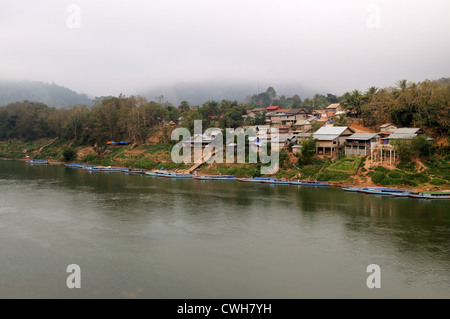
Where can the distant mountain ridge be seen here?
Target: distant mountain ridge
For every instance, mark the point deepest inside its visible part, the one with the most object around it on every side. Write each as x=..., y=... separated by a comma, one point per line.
x=50, y=94
x=199, y=93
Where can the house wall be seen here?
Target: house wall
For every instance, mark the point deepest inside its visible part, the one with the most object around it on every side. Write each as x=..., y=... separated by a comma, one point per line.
x=305, y=127
x=389, y=128
x=331, y=113
x=359, y=149
x=326, y=144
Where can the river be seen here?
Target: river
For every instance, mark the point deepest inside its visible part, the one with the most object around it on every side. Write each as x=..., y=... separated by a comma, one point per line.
x=136, y=236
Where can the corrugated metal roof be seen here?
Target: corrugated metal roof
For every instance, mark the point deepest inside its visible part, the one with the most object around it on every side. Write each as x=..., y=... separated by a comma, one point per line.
x=295, y=111
x=325, y=137
x=362, y=136
x=331, y=130
x=387, y=124
x=406, y=130
x=395, y=136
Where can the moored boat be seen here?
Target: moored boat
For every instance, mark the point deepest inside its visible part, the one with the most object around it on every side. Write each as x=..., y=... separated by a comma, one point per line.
x=93, y=168
x=156, y=172
x=174, y=175
x=253, y=179
x=310, y=183
x=37, y=162
x=133, y=170
x=350, y=189
x=75, y=165
x=384, y=191
x=430, y=195
x=214, y=177
x=111, y=169
x=278, y=181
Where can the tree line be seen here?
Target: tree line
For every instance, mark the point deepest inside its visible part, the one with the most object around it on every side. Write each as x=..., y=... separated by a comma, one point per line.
x=111, y=118
x=425, y=104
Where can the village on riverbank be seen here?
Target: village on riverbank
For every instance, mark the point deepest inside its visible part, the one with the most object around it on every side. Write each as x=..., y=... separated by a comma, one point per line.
x=396, y=137
x=343, y=155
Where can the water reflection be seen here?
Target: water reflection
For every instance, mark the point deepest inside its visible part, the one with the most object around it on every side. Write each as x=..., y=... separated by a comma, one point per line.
x=278, y=236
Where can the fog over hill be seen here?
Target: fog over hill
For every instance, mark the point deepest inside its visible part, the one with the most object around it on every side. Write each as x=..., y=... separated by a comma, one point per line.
x=199, y=93
x=35, y=91
x=195, y=93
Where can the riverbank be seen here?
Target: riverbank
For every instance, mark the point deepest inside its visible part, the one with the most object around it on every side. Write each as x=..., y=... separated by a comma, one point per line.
x=346, y=172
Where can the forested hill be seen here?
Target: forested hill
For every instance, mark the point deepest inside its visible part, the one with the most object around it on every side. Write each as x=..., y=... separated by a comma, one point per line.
x=49, y=94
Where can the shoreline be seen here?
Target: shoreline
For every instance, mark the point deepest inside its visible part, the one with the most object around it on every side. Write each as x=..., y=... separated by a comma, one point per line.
x=332, y=184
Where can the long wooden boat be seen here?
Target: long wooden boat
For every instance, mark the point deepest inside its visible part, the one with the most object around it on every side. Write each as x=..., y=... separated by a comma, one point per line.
x=214, y=177
x=76, y=165
x=430, y=195
x=37, y=162
x=310, y=183
x=133, y=170
x=278, y=181
x=174, y=175
x=93, y=168
x=156, y=172
x=111, y=169
x=384, y=191
x=350, y=189
x=253, y=179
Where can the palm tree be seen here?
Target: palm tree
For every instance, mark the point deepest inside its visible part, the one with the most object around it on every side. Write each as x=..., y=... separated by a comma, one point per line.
x=402, y=84
x=372, y=91
x=353, y=101
x=341, y=120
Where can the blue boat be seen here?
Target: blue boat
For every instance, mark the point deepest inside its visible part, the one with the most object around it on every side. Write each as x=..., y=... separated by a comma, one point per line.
x=430, y=195
x=214, y=177
x=350, y=189
x=75, y=165
x=156, y=172
x=93, y=168
x=310, y=183
x=133, y=170
x=174, y=175
x=37, y=162
x=111, y=169
x=384, y=191
x=278, y=181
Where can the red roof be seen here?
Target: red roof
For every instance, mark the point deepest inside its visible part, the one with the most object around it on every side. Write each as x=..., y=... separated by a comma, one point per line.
x=273, y=107
x=249, y=111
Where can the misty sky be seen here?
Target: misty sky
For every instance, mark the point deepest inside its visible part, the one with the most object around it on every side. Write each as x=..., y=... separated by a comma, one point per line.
x=114, y=47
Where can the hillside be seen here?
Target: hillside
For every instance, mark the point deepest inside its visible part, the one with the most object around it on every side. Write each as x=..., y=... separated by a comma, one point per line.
x=50, y=94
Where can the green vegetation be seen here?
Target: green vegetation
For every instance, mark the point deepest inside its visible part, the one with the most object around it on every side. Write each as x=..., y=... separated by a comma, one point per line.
x=417, y=147
x=69, y=154
x=438, y=181
x=385, y=177
x=332, y=176
x=347, y=165
x=424, y=104
x=440, y=167
x=308, y=152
